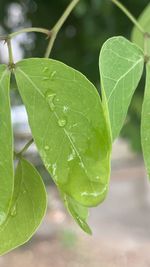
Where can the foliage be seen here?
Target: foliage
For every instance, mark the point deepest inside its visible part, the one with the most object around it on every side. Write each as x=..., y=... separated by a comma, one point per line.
x=72, y=126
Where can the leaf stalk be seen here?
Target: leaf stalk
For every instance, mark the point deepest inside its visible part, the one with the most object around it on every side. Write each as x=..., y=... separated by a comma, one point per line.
x=25, y=148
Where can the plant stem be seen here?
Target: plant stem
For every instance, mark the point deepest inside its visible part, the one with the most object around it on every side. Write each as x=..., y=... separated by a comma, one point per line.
x=129, y=15
x=11, y=61
x=25, y=148
x=58, y=26
x=25, y=30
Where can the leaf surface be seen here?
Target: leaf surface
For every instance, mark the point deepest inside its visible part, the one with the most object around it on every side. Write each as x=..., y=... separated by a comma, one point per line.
x=144, y=21
x=121, y=66
x=69, y=127
x=145, y=121
x=27, y=210
x=78, y=212
x=6, y=145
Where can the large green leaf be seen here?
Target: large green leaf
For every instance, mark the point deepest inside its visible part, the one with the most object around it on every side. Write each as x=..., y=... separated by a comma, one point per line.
x=78, y=212
x=144, y=21
x=69, y=127
x=145, y=123
x=6, y=147
x=121, y=66
x=27, y=210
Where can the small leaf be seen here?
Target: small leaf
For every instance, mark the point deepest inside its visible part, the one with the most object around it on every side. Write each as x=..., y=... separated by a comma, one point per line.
x=121, y=66
x=27, y=210
x=145, y=121
x=69, y=127
x=6, y=145
x=78, y=212
x=144, y=21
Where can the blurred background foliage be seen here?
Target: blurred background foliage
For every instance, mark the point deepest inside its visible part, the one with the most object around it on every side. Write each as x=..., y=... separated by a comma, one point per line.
x=79, y=42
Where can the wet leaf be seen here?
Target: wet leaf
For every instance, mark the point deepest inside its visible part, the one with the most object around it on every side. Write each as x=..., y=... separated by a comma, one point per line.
x=121, y=66
x=27, y=208
x=69, y=127
x=6, y=145
x=78, y=212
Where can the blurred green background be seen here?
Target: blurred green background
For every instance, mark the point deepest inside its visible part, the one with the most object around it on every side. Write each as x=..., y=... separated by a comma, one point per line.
x=79, y=42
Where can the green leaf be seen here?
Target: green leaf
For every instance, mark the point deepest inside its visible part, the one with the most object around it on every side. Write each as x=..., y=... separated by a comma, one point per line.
x=121, y=66
x=145, y=121
x=6, y=145
x=78, y=212
x=69, y=127
x=27, y=210
x=144, y=21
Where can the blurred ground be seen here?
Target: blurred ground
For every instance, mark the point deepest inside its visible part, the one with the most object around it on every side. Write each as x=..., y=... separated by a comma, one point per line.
x=121, y=225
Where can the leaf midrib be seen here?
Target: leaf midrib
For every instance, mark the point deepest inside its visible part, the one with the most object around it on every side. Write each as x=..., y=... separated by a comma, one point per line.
x=57, y=117
x=123, y=76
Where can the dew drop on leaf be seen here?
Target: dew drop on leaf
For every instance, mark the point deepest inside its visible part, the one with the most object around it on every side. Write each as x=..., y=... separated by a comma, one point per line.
x=65, y=109
x=13, y=211
x=46, y=147
x=50, y=99
x=45, y=69
x=71, y=156
x=52, y=74
x=2, y=217
x=45, y=78
x=62, y=122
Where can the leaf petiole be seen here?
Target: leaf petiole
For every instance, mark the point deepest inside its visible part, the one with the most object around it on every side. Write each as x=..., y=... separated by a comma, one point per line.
x=10, y=53
x=24, y=149
x=32, y=29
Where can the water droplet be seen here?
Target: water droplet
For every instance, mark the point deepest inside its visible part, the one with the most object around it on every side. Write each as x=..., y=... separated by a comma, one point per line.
x=54, y=169
x=2, y=217
x=95, y=193
x=50, y=99
x=46, y=148
x=71, y=156
x=13, y=211
x=52, y=75
x=45, y=78
x=45, y=69
x=62, y=122
x=65, y=109
x=47, y=165
x=81, y=165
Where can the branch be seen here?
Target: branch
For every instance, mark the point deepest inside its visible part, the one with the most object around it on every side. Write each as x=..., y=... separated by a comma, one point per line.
x=58, y=26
